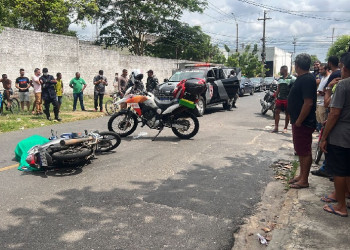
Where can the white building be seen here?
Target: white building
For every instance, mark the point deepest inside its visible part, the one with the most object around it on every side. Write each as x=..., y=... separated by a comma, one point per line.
x=275, y=58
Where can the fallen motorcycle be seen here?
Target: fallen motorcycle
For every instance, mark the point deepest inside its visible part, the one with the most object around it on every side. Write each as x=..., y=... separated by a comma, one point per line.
x=71, y=148
x=145, y=108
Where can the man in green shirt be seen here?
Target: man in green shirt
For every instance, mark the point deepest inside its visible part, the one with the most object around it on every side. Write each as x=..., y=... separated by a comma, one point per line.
x=78, y=85
x=284, y=85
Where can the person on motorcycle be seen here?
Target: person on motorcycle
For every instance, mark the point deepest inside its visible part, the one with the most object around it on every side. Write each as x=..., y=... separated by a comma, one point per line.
x=152, y=81
x=284, y=84
x=6, y=83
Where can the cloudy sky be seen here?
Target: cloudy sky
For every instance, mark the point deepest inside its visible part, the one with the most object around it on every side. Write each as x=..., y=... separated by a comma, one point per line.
x=310, y=22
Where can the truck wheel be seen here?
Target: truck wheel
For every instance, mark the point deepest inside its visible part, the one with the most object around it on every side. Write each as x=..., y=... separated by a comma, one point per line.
x=200, y=106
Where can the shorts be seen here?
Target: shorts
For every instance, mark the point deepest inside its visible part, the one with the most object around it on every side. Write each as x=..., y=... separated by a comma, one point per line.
x=23, y=96
x=282, y=104
x=59, y=99
x=302, y=139
x=337, y=161
x=5, y=94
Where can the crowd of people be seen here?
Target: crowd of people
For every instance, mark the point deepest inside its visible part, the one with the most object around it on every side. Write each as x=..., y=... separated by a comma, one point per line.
x=312, y=101
x=50, y=90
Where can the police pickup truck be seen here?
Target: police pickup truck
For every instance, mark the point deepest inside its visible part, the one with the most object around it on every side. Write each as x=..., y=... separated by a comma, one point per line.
x=220, y=88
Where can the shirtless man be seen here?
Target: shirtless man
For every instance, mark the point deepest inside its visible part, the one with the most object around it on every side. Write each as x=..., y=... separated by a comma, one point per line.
x=6, y=83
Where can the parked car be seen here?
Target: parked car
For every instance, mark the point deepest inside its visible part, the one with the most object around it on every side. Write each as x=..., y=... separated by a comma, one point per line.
x=220, y=89
x=256, y=81
x=267, y=81
x=246, y=87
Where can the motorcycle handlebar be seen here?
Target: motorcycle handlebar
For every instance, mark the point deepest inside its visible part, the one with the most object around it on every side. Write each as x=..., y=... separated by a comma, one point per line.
x=75, y=141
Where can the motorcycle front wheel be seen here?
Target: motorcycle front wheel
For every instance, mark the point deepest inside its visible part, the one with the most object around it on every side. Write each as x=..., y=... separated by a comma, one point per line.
x=72, y=153
x=185, y=125
x=123, y=123
x=110, y=141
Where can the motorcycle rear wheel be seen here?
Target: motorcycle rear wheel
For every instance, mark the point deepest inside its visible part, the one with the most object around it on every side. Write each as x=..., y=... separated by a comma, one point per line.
x=72, y=153
x=186, y=118
x=263, y=110
x=110, y=141
x=123, y=123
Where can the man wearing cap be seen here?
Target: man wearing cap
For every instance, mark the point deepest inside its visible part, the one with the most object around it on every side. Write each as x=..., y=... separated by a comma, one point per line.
x=49, y=94
x=152, y=81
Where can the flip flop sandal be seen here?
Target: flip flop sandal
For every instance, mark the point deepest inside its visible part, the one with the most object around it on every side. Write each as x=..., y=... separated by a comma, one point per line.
x=297, y=186
x=334, y=212
x=327, y=199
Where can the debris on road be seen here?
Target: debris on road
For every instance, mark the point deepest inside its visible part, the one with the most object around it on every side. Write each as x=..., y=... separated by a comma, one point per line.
x=141, y=134
x=262, y=239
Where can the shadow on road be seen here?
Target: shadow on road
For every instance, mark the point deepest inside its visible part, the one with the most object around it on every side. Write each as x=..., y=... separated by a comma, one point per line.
x=197, y=208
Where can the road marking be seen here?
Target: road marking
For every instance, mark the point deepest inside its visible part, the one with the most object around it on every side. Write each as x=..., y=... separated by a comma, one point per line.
x=9, y=167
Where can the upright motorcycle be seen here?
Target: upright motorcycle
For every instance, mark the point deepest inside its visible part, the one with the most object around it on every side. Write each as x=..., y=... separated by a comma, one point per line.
x=146, y=109
x=268, y=103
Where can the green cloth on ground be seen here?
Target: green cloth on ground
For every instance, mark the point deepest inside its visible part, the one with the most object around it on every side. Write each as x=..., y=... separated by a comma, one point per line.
x=22, y=148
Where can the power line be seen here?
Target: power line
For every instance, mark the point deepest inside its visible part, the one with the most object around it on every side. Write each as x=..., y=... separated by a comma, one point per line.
x=295, y=13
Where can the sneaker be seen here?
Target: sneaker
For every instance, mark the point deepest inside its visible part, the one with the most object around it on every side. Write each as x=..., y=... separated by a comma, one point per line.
x=58, y=119
x=49, y=118
x=95, y=110
x=234, y=106
x=83, y=110
x=101, y=110
x=73, y=110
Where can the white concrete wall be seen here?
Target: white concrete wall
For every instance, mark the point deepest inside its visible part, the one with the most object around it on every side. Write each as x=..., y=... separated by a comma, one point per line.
x=30, y=50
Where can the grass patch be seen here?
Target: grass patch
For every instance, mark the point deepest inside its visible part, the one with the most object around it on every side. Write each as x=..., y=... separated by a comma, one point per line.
x=23, y=120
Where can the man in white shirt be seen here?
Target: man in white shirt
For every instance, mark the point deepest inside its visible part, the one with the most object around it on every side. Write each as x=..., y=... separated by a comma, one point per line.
x=37, y=92
x=321, y=110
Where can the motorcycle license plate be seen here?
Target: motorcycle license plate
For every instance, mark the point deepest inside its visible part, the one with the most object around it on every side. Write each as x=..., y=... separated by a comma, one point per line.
x=135, y=105
x=43, y=161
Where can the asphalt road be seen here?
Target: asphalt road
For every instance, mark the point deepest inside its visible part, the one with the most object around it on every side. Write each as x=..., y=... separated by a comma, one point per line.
x=166, y=194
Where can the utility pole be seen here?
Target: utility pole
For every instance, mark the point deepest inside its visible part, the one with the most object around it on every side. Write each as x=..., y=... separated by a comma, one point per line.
x=333, y=34
x=294, y=43
x=263, y=54
x=236, y=32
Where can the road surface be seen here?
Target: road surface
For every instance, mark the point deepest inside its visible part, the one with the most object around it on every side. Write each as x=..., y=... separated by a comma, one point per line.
x=163, y=194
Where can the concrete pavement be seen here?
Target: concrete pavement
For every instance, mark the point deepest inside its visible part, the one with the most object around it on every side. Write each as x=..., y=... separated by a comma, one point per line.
x=171, y=193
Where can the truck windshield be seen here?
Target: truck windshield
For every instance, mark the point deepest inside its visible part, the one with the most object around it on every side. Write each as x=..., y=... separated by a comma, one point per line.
x=183, y=75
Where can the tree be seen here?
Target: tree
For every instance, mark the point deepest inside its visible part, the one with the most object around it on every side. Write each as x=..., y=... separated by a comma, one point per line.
x=314, y=58
x=182, y=41
x=52, y=16
x=126, y=23
x=248, y=61
x=340, y=46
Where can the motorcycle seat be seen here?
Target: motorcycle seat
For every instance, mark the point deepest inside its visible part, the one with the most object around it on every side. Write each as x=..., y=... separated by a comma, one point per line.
x=163, y=105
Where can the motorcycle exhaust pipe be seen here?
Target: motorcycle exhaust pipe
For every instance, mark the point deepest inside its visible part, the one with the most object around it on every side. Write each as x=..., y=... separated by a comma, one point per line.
x=74, y=141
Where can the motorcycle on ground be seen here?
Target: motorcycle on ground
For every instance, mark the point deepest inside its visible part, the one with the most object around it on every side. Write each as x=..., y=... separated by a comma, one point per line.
x=71, y=148
x=148, y=110
x=268, y=102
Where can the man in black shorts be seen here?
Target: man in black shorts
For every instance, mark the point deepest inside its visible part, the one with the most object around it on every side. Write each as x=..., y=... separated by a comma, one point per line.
x=335, y=141
x=6, y=83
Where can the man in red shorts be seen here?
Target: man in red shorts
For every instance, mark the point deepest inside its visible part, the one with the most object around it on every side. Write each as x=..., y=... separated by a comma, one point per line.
x=302, y=110
x=284, y=84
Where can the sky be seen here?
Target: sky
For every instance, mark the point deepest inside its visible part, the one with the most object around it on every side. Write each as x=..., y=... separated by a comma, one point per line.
x=310, y=22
